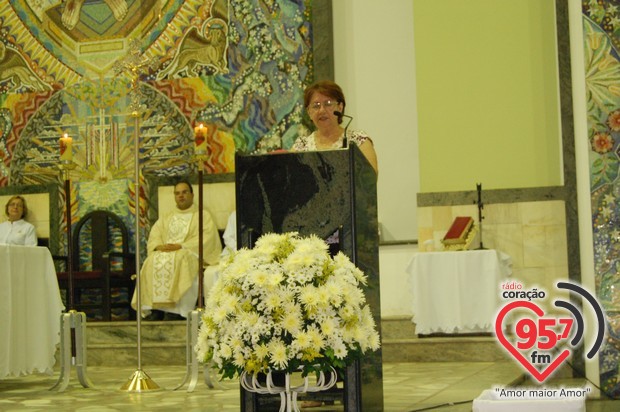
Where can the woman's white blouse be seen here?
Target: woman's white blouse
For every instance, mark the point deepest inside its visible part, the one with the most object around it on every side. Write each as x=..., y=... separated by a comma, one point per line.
x=19, y=232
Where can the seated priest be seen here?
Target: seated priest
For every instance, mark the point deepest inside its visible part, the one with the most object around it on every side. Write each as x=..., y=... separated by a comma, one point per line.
x=169, y=275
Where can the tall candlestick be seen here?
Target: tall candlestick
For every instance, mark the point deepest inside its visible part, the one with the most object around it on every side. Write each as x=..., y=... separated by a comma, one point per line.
x=66, y=148
x=200, y=138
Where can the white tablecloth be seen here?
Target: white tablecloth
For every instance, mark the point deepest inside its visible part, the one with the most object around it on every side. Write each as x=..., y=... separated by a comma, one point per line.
x=457, y=292
x=30, y=308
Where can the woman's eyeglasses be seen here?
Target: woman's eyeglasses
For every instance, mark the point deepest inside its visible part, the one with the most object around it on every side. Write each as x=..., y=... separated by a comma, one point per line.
x=327, y=104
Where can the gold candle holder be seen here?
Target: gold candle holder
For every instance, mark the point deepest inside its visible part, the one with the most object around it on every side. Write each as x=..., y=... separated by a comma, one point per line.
x=66, y=166
x=200, y=156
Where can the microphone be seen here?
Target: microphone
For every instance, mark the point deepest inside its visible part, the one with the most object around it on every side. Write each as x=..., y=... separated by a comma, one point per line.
x=345, y=141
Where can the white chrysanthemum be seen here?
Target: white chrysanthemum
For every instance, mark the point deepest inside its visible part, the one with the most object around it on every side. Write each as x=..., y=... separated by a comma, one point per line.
x=308, y=296
x=323, y=296
x=340, y=349
x=302, y=341
x=216, y=292
x=259, y=278
x=274, y=245
x=270, y=240
x=230, y=303
x=235, y=341
x=353, y=296
x=374, y=340
x=349, y=334
x=239, y=359
x=203, y=346
x=366, y=317
x=244, y=261
x=291, y=322
x=284, y=299
x=316, y=339
x=312, y=245
x=308, y=255
x=224, y=350
x=275, y=278
x=297, y=261
x=335, y=290
x=329, y=326
x=261, y=351
x=247, y=317
x=219, y=314
x=346, y=268
x=348, y=313
x=272, y=301
x=277, y=354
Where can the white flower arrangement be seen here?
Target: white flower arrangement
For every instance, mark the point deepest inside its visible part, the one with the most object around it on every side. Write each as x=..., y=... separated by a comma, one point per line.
x=286, y=305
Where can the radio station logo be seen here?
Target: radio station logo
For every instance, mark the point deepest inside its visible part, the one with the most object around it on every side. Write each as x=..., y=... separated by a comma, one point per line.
x=538, y=341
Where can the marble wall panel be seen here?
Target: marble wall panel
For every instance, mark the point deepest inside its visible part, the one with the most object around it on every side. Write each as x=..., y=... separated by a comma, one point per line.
x=533, y=234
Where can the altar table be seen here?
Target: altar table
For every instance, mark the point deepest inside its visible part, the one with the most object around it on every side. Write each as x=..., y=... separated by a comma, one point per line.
x=457, y=291
x=30, y=309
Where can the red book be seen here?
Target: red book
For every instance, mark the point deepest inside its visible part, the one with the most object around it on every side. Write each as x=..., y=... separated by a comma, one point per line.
x=457, y=234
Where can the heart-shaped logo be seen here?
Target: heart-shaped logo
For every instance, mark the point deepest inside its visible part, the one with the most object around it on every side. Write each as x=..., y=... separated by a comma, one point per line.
x=539, y=374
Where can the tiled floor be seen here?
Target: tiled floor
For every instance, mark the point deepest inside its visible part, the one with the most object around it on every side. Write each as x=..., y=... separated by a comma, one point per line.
x=446, y=386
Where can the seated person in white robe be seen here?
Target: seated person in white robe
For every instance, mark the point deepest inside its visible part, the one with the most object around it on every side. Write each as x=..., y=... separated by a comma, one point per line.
x=169, y=275
x=230, y=235
x=230, y=245
x=16, y=231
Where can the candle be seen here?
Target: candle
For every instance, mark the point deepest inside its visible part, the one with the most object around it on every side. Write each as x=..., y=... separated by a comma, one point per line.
x=200, y=138
x=66, y=148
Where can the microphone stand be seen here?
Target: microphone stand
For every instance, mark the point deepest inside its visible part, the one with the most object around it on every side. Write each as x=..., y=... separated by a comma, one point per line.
x=345, y=141
x=480, y=217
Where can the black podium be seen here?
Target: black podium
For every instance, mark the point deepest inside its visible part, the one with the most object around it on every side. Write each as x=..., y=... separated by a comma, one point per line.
x=322, y=193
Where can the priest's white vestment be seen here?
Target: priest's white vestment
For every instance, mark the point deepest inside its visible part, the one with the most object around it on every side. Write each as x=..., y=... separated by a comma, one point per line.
x=168, y=280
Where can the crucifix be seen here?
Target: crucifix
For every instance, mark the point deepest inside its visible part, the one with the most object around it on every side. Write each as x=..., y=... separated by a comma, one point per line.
x=135, y=64
x=100, y=143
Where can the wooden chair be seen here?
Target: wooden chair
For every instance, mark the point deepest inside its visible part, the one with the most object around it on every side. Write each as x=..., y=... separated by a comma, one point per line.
x=101, y=264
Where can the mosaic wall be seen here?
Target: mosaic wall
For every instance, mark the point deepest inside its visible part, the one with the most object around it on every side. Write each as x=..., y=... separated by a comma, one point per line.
x=106, y=71
x=601, y=24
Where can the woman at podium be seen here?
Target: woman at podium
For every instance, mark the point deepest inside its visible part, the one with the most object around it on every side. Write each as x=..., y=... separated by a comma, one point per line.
x=325, y=104
x=16, y=231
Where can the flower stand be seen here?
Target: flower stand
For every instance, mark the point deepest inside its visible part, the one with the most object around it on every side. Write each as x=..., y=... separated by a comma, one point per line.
x=288, y=393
